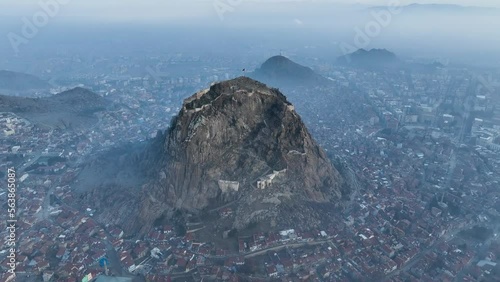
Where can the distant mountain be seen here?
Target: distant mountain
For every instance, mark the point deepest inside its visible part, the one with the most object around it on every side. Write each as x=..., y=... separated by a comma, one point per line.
x=437, y=65
x=384, y=60
x=374, y=58
x=72, y=108
x=16, y=83
x=436, y=6
x=440, y=8
x=279, y=71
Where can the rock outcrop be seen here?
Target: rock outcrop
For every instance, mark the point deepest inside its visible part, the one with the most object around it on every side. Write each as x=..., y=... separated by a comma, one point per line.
x=238, y=142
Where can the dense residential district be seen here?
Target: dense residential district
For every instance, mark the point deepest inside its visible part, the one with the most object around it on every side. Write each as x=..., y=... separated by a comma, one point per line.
x=424, y=148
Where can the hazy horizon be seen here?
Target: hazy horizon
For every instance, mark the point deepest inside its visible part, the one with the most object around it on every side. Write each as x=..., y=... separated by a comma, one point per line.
x=156, y=10
x=244, y=140
x=468, y=35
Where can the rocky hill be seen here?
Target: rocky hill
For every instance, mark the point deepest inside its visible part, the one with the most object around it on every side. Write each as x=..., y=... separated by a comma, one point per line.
x=279, y=71
x=72, y=108
x=238, y=142
x=19, y=84
x=374, y=58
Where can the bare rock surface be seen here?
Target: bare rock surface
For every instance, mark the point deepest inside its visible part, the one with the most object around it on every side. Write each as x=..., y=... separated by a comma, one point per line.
x=237, y=143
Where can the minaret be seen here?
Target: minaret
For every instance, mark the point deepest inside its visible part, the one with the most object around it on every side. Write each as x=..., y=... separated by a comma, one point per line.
x=441, y=203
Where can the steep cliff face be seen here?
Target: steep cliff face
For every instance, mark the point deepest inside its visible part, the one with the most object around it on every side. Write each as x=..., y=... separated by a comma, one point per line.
x=239, y=142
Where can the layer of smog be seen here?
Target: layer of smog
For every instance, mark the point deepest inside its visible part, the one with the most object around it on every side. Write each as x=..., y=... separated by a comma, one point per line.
x=219, y=140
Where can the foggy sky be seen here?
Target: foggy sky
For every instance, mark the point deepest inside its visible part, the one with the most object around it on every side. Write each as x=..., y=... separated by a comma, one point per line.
x=462, y=34
x=152, y=10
